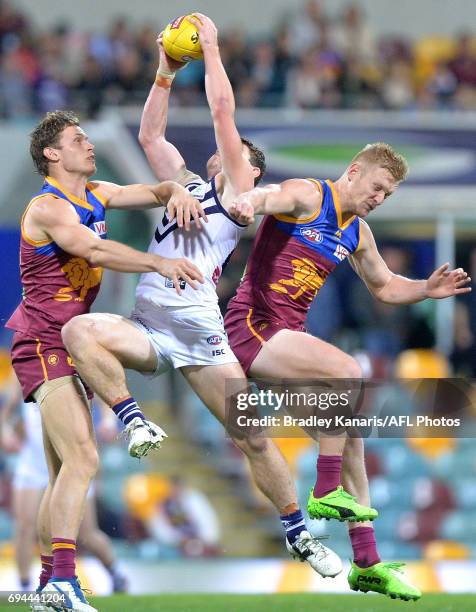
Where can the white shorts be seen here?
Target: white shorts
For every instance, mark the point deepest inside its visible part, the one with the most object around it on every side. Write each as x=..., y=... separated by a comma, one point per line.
x=184, y=336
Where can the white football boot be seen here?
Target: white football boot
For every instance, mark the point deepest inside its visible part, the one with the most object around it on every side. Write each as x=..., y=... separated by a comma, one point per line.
x=143, y=436
x=72, y=596
x=323, y=560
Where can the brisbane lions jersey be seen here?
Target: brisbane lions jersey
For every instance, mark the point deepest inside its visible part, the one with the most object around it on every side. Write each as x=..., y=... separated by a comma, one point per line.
x=292, y=258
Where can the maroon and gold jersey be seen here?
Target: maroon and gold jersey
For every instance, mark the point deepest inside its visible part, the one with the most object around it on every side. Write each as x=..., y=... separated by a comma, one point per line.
x=291, y=260
x=56, y=285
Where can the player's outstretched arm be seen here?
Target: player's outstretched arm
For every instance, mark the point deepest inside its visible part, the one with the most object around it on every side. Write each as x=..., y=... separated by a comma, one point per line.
x=58, y=221
x=180, y=204
x=164, y=158
x=395, y=289
x=222, y=107
x=294, y=197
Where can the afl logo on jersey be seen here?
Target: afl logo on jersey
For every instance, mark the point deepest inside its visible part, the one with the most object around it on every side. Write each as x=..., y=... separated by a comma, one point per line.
x=312, y=235
x=214, y=340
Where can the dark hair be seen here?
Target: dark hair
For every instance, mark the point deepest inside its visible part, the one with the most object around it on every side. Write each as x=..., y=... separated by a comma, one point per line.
x=47, y=134
x=256, y=158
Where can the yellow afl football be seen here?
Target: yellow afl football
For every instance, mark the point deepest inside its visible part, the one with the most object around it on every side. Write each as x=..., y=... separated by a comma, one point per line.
x=181, y=41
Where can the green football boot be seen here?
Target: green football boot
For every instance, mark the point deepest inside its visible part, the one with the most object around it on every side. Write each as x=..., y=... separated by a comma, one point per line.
x=340, y=505
x=385, y=578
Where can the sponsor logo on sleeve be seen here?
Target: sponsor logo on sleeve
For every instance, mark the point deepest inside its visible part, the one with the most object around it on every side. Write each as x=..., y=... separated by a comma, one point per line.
x=100, y=227
x=341, y=252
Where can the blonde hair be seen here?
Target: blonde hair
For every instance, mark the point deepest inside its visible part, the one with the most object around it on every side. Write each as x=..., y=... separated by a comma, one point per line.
x=383, y=155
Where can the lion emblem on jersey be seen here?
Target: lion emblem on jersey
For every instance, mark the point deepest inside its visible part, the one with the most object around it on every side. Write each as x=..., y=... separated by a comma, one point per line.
x=82, y=278
x=307, y=279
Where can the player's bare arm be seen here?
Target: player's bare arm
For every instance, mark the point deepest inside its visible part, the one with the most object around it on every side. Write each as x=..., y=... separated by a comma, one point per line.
x=52, y=218
x=177, y=199
x=235, y=166
x=164, y=158
x=297, y=198
x=392, y=288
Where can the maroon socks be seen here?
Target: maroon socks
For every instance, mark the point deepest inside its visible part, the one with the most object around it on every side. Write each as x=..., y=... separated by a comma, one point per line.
x=46, y=569
x=64, y=558
x=328, y=474
x=364, y=546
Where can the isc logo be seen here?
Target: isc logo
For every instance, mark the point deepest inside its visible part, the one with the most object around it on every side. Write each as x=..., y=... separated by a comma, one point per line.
x=217, y=352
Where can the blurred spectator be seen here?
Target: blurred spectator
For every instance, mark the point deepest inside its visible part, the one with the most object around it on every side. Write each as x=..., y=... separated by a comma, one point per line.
x=185, y=520
x=463, y=65
x=11, y=21
x=397, y=89
x=353, y=37
x=305, y=26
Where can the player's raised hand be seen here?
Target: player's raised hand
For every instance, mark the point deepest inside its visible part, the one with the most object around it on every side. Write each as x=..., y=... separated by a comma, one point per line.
x=445, y=283
x=167, y=65
x=207, y=30
x=184, y=207
x=242, y=210
x=179, y=270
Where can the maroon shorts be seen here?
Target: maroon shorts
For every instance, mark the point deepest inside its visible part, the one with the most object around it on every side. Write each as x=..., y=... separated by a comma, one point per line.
x=36, y=360
x=248, y=332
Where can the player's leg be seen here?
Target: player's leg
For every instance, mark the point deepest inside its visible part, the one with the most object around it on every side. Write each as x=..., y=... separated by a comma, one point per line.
x=291, y=354
x=269, y=468
x=26, y=502
x=98, y=544
x=101, y=346
x=70, y=445
x=43, y=521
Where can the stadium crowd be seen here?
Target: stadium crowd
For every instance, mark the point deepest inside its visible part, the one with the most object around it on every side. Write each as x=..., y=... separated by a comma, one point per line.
x=308, y=60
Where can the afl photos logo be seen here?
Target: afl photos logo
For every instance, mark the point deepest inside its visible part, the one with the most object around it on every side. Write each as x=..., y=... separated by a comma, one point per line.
x=312, y=235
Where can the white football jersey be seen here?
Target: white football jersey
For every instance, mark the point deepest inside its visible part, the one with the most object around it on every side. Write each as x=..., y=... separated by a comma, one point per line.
x=209, y=249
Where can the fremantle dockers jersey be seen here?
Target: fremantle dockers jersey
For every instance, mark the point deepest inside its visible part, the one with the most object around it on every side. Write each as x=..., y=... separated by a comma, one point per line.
x=209, y=249
x=56, y=285
x=292, y=258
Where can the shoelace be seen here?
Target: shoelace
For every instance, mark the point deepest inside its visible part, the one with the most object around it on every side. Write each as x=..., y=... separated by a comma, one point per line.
x=395, y=565
x=315, y=546
x=340, y=488
x=127, y=432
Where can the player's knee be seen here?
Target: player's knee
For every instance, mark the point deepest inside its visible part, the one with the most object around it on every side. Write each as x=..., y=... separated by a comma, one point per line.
x=84, y=460
x=91, y=459
x=76, y=332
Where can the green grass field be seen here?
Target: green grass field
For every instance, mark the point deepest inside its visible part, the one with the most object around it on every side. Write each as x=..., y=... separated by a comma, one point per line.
x=274, y=603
